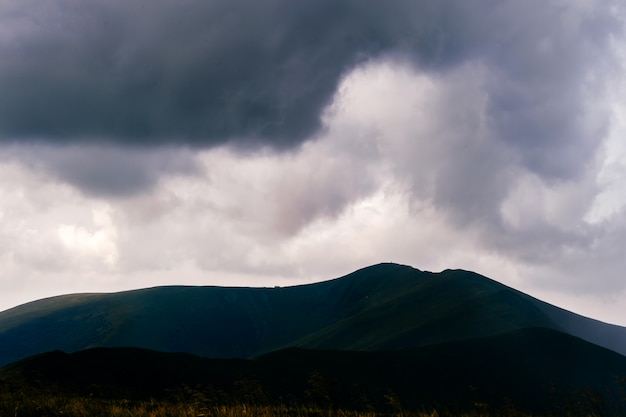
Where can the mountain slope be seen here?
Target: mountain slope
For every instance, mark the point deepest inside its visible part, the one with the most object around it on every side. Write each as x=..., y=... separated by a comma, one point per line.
x=382, y=307
x=531, y=370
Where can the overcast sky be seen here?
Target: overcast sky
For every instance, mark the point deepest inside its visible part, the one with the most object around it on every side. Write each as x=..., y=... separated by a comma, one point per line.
x=278, y=142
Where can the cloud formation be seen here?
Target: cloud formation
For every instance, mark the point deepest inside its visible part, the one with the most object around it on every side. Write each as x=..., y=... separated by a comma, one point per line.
x=105, y=171
x=191, y=72
x=261, y=73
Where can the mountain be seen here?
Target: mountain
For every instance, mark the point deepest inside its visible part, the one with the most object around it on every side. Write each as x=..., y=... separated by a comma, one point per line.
x=383, y=307
x=532, y=370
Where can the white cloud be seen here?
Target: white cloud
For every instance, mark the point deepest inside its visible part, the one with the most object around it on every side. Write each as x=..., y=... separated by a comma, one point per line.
x=611, y=175
x=99, y=244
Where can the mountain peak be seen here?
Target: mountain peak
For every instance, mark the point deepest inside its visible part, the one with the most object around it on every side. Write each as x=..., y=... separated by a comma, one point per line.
x=380, y=307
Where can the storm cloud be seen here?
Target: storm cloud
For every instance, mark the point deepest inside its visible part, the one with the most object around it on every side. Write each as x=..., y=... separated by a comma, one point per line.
x=191, y=72
x=260, y=73
x=105, y=171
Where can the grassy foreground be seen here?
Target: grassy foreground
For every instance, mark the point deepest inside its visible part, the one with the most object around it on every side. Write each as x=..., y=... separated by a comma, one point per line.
x=46, y=404
x=83, y=407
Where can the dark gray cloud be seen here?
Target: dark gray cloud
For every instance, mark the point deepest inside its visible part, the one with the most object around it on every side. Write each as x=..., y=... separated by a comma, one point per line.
x=249, y=72
x=254, y=73
x=200, y=72
x=106, y=171
x=175, y=71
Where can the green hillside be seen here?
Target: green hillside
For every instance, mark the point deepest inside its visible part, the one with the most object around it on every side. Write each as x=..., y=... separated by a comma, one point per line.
x=382, y=307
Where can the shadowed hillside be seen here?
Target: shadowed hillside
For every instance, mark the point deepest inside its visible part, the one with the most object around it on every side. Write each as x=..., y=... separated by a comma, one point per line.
x=382, y=307
x=531, y=370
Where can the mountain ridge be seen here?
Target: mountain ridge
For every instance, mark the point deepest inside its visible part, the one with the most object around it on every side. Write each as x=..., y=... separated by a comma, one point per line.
x=381, y=307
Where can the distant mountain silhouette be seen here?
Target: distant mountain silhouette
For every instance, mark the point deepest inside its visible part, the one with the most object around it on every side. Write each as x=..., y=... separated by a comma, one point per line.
x=532, y=370
x=383, y=307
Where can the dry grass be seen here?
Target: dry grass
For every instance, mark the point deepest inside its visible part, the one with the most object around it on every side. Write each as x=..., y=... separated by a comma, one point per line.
x=196, y=404
x=21, y=405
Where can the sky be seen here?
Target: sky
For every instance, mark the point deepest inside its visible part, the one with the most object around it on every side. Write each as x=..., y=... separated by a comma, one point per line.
x=281, y=142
